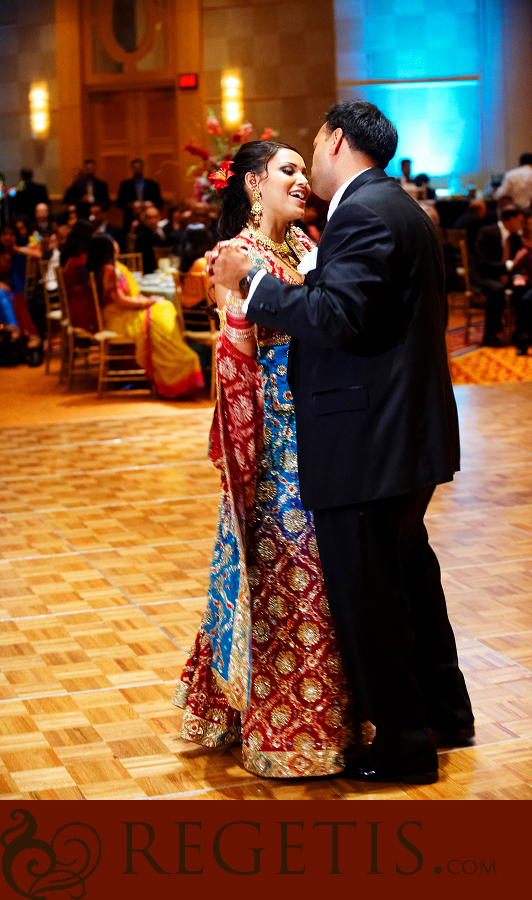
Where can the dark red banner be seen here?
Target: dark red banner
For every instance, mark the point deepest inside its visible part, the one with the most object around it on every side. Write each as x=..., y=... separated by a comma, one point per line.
x=278, y=849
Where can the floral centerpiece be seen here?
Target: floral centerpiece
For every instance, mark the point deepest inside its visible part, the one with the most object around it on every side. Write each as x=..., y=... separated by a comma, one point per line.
x=216, y=161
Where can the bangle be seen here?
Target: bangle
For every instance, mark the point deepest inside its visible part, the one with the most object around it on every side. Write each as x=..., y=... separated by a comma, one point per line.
x=234, y=304
x=237, y=321
x=239, y=335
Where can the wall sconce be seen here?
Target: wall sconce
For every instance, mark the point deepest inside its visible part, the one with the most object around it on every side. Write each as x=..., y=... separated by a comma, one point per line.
x=232, y=106
x=39, y=109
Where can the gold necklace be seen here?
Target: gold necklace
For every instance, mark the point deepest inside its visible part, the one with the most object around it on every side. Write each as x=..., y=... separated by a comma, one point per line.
x=284, y=250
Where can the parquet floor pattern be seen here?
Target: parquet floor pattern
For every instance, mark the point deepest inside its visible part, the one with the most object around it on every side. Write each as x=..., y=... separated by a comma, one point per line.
x=106, y=531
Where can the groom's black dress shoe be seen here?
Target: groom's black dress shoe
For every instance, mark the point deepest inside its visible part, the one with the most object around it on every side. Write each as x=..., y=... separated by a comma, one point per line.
x=363, y=769
x=456, y=737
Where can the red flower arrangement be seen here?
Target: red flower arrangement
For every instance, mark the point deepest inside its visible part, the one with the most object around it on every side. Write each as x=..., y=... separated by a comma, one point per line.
x=212, y=171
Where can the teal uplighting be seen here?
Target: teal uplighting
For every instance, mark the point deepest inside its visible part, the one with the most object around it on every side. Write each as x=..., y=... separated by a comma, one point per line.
x=437, y=123
x=402, y=45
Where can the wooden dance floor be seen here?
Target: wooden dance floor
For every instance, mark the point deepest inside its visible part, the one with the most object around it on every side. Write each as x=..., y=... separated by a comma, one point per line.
x=107, y=523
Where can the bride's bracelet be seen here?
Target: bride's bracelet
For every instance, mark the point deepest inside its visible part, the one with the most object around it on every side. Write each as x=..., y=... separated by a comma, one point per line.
x=233, y=304
x=237, y=321
x=240, y=335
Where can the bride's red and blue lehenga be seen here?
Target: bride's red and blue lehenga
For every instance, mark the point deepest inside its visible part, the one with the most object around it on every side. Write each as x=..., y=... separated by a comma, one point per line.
x=265, y=669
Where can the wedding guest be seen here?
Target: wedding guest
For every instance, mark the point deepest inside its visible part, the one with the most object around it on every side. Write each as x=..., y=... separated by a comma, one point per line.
x=517, y=183
x=29, y=194
x=42, y=224
x=148, y=237
x=12, y=280
x=495, y=248
x=22, y=230
x=151, y=322
x=86, y=189
x=74, y=265
x=101, y=226
x=137, y=189
x=473, y=220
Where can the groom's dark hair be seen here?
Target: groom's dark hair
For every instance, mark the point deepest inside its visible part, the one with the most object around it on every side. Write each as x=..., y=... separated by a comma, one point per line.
x=365, y=129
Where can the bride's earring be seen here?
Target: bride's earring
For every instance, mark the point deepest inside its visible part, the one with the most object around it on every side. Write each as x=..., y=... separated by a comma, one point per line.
x=256, y=206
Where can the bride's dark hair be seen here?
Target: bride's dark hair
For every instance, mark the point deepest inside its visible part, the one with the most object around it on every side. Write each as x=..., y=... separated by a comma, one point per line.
x=253, y=156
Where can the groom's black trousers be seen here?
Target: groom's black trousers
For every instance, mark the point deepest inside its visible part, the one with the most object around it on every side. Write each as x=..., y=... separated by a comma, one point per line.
x=385, y=595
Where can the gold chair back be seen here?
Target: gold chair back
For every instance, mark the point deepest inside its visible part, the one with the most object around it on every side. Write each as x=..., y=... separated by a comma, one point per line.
x=133, y=261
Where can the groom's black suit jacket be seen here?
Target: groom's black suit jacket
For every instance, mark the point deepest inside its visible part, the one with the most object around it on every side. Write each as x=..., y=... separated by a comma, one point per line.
x=368, y=370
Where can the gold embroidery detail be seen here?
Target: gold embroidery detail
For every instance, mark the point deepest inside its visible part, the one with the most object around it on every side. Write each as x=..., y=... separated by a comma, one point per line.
x=285, y=662
x=267, y=490
x=333, y=717
x=261, y=686
x=294, y=520
x=303, y=742
x=335, y=663
x=280, y=716
x=289, y=462
x=308, y=634
x=255, y=741
x=271, y=764
x=209, y=734
x=266, y=549
x=277, y=607
x=297, y=578
x=254, y=576
x=261, y=631
x=313, y=546
x=281, y=370
x=310, y=690
x=273, y=340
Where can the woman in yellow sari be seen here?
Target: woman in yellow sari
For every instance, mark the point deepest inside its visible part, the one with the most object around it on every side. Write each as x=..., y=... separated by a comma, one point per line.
x=151, y=322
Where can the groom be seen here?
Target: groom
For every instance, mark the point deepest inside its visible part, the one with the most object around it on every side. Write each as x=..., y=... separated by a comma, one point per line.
x=377, y=429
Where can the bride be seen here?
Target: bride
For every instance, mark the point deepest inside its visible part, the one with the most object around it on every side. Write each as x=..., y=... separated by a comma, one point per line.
x=265, y=667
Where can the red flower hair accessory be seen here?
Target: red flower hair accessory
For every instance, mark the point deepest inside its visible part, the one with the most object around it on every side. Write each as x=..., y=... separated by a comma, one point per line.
x=220, y=178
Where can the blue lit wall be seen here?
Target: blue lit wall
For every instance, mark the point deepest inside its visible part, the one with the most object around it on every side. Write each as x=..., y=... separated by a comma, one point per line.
x=386, y=40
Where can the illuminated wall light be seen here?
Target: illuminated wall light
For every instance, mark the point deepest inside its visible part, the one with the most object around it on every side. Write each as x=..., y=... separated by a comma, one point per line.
x=232, y=105
x=39, y=110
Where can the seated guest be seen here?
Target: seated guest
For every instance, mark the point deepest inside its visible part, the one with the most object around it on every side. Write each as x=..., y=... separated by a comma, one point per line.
x=42, y=224
x=101, y=226
x=53, y=255
x=74, y=265
x=148, y=237
x=22, y=230
x=425, y=192
x=28, y=195
x=473, y=220
x=174, y=228
x=495, y=248
x=86, y=189
x=517, y=183
x=199, y=236
x=137, y=189
x=151, y=322
x=522, y=288
x=14, y=301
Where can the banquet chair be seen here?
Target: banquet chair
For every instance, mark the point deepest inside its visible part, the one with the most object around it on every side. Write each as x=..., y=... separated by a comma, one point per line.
x=161, y=253
x=79, y=343
x=474, y=302
x=133, y=261
x=54, y=315
x=193, y=312
x=109, y=339
x=30, y=276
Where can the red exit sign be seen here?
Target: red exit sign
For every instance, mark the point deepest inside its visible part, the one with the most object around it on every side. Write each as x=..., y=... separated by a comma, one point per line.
x=188, y=82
